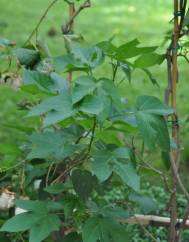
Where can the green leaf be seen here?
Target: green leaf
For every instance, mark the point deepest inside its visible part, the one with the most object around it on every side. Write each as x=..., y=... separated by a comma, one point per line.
x=72, y=237
x=106, y=87
x=151, y=77
x=151, y=123
x=39, y=221
x=59, y=83
x=103, y=230
x=100, y=165
x=54, y=145
x=126, y=69
x=92, y=105
x=121, y=152
x=146, y=204
x=166, y=159
x=26, y=57
x=152, y=105
x=68, y=63
x=84, y=85
x=90, y=57
x=107, y=47
x=32, y=206
x=20, y=222
x=115, y=213
x=123, y=127
x=39, y=207
x=109, y=137
x=83, y=182
x=44, y=227
x=58, y=109
x=56, y=188
x=5, y=42
x=148, y=60
x=130, y=50
x=153, y=129
x=128, y=174
x=105, y=162
x=91, y=231
x=51, y=83
x=186, y=19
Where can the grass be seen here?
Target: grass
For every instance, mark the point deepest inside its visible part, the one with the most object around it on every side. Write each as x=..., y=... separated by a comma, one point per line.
x=126, y=19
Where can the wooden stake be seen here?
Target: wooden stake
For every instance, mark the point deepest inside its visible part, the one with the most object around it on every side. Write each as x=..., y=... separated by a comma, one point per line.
x=175, y=152
x=155, y=221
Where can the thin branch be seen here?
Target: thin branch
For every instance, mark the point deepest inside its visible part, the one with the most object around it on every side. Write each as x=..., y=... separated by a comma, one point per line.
x=48, y=174
x=115, y=69
x=92, y=135
x=150, y=167
x=185, y=57
x=168, y=89
x=79, y=160
x=40, y=21
x=175, y=132
x=179, y=181
x=67, y=27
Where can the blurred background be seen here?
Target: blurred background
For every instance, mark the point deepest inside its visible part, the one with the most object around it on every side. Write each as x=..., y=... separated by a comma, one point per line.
x=146, y=20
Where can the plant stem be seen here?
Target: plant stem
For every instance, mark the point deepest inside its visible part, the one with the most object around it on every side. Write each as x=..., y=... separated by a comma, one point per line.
x=67, y=27
x=174, y=152
x=40, y=21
